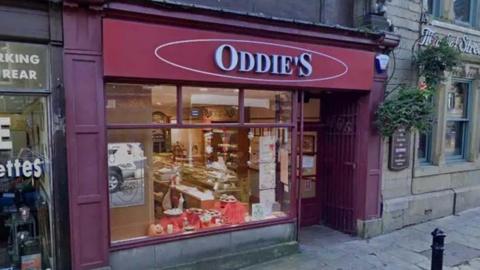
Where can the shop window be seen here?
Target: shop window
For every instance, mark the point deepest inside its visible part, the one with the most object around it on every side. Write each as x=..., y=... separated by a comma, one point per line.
x=268, y=106
x=203, y=105
x=166, y=181
x=141, y=104
x=25, y=188
x=424, y=147
x=464, y=11
x=457, y=120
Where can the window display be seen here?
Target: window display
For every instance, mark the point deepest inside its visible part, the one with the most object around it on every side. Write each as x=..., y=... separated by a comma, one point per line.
x=268, y=106
x=175, y=180
x=204, y=105
x=457, y=120
x=25, y=198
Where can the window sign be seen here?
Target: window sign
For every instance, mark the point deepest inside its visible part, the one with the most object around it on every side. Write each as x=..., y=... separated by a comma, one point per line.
x=23, y=66
x=5, y=143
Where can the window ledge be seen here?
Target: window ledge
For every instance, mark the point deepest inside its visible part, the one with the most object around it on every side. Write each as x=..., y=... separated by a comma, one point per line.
x=462, y=29
x=450, y=167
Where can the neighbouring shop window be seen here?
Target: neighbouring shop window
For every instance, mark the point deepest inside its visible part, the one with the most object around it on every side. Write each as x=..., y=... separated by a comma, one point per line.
x=170, y=179
x=433, y=7
x=463, y=10
x=25, y=193
x=457, y=120
x=424, y=147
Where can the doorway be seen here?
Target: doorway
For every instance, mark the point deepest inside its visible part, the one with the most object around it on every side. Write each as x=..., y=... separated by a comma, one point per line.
x=328, y=166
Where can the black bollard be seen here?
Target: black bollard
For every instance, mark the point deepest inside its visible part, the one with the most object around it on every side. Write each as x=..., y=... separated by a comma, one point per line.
x=438, y=246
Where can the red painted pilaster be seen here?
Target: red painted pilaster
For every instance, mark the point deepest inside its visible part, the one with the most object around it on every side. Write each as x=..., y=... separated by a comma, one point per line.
x=367, y=184
x=85, y=136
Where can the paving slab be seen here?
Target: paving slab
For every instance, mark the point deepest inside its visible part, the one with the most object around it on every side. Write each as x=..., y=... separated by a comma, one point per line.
x=409, y=248
x=456, y=254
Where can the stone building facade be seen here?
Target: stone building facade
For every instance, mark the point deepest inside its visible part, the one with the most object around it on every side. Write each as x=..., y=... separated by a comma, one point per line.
x=444, y=173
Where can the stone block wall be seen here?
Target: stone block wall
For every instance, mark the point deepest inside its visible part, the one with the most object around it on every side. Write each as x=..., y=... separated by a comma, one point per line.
x=331, y=12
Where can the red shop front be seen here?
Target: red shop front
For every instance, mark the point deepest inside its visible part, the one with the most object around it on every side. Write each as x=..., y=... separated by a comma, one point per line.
x=184, y=131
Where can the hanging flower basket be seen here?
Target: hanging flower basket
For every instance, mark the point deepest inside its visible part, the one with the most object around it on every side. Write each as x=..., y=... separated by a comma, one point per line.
x=411, y=107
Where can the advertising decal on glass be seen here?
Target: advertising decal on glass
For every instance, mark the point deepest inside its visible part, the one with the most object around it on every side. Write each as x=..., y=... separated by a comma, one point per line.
x=18, y=167
x=23, y=66
x=126, y=169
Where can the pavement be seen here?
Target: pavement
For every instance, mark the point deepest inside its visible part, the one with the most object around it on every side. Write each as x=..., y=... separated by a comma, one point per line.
x=408, y=248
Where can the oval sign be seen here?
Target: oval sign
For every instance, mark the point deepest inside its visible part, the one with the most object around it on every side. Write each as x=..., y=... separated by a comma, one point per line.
x=285, y=63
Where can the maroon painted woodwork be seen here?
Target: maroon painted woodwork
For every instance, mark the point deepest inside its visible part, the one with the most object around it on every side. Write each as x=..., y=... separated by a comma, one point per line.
x=86, y=145
x=369, y=149
x=87, y=176
x=173, y=53
x=83, y=2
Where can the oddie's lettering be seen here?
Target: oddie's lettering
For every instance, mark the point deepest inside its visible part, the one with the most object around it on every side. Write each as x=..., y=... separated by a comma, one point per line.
x=262, y=63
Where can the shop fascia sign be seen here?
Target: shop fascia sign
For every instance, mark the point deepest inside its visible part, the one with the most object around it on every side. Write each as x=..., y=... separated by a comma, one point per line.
x=258, y=62
x=264, y=65
x=16, y=167
x=464, y=43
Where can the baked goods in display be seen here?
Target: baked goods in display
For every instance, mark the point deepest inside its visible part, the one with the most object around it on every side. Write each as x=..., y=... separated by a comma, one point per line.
x=173, y=212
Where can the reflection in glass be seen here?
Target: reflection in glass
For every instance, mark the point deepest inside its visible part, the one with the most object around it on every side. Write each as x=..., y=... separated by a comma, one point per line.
x=25, y=196
x=423, y=147
x=268, y=106
x=204, y=178
x=430, y=6
x=209, y=105
x=462, y=10
x=134, y=103
x=454, y=138
x=456, y=100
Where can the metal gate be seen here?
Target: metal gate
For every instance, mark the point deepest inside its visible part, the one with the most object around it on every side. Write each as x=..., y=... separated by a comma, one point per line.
x=337, y=161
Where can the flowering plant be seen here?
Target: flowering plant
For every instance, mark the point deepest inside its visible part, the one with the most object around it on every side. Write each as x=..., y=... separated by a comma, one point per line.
x=411, y=107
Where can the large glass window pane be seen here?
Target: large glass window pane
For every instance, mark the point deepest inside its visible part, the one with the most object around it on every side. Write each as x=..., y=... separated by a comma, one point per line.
x=456, y=100
x=430, y=6
x=25, y=194
x=423, y=147
x=462, y=10
x=204, y=178
x=454, y=138
x=268, y=106
x=140, y=104
x=203, y=105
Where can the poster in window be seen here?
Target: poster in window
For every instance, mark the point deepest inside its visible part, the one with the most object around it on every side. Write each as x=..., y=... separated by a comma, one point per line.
x=308, y=144
x=32, y=262
x=257, y=212
x=267, y=199
x=126, y=174
x=267, y=175
x=267, y=149
x=283, y=153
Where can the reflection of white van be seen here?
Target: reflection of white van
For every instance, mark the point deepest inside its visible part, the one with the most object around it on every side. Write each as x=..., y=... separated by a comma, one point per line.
x=124, y=159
